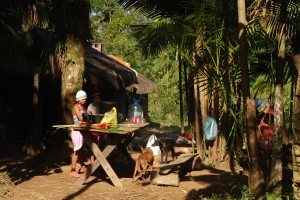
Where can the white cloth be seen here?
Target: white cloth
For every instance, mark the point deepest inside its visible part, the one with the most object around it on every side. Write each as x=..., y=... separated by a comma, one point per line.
x=155, y=149
x=77, y=139
x=93, y=108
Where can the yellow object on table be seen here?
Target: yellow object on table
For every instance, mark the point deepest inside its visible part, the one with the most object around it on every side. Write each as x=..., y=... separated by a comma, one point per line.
x=110, y=117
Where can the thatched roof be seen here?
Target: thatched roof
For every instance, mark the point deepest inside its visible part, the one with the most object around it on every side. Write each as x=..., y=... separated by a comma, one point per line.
x=109, y=72
x=144, y=85
x=106, y=72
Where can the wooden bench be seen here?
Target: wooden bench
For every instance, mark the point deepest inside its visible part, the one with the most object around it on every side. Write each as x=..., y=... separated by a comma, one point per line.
x=171, y=166
x=168, y=174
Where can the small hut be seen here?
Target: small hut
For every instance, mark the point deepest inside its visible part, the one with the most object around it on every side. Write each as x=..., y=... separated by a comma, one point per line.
x=114, y=77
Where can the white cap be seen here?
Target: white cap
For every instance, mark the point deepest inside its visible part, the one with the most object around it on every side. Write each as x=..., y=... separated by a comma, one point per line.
x=80, y=95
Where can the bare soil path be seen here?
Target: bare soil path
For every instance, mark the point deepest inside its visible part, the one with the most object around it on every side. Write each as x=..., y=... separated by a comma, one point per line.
x=49, y=179
x=37, y=181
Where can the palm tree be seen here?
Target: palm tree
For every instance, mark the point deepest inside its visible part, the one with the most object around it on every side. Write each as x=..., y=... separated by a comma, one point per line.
x=279, y=18
x=256, y=177
x=186, y=27
x=172, y=29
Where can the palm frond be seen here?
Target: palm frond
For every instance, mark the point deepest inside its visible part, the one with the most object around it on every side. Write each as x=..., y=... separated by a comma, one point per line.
x=278, y=16
x=156, y=9
x=158, y=35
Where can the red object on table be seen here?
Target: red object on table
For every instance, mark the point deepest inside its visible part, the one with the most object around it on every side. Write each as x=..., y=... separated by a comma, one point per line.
x=134, y=120
x=103, y=126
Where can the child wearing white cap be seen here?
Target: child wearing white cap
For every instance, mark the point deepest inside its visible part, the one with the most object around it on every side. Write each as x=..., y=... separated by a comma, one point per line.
x=76, y=136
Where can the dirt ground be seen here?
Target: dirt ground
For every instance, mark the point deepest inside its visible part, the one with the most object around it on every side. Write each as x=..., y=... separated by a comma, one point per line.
x=49, y=179
x=34, y=181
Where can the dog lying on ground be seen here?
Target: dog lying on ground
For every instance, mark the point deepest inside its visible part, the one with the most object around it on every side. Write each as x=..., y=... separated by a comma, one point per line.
x=143, y=163
x=165, y=145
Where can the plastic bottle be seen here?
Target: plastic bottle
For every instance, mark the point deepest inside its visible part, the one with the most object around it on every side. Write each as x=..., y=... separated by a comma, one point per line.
x=135, y=114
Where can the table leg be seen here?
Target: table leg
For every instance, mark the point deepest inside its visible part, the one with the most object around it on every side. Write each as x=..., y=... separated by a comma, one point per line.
x=128, y=157
x=92, y=168
x=101, y=160
x=122, y=148
x=124, y=151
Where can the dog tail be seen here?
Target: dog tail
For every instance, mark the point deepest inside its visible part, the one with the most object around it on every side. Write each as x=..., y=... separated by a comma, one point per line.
x=142, y=149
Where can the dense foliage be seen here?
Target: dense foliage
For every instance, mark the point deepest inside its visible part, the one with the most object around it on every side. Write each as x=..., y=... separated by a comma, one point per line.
x=114, y=28
x=154, y=35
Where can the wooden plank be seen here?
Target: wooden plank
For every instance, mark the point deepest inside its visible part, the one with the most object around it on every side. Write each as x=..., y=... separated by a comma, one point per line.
x=107, y=168
x=92, y=168
x=76, y=126
x=124, y=128
x=102, y=161
x=121, y=131
x=166, y=169
x=108, y=149
x=63, y=126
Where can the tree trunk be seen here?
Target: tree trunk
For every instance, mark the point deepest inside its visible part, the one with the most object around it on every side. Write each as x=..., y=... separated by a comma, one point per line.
x=275, y=184
x=243, y=50
x=255, y=178
x=296, y=129
x=190, y=97
x=74, y=26
x=197, y=118
x=180, y=95
x=35, y=145
x=204, y=96
x=215, y=113
x=296, y=118
x=280, y=77
x=72, y=77
x=292, y=91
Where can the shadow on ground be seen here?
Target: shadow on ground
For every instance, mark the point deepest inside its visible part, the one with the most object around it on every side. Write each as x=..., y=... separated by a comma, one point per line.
x=58, y=151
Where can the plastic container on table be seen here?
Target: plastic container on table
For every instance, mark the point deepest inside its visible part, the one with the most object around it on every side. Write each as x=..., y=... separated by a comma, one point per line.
x=135, y=113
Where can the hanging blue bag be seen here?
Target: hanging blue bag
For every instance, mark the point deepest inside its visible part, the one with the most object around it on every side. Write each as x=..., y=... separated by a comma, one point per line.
x=210, y=128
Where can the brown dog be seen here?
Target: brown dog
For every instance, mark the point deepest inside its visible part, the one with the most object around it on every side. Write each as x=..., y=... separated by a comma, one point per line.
x=143, y=162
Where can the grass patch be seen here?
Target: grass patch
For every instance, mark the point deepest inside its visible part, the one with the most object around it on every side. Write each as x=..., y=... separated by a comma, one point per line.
x=6, y=185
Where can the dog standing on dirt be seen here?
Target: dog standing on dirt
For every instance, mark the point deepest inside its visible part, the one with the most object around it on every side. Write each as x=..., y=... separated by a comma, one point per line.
x=165, y=145
x=143, y=163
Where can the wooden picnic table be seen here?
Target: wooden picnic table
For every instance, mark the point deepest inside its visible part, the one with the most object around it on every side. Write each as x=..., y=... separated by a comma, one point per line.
x=120, y=136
